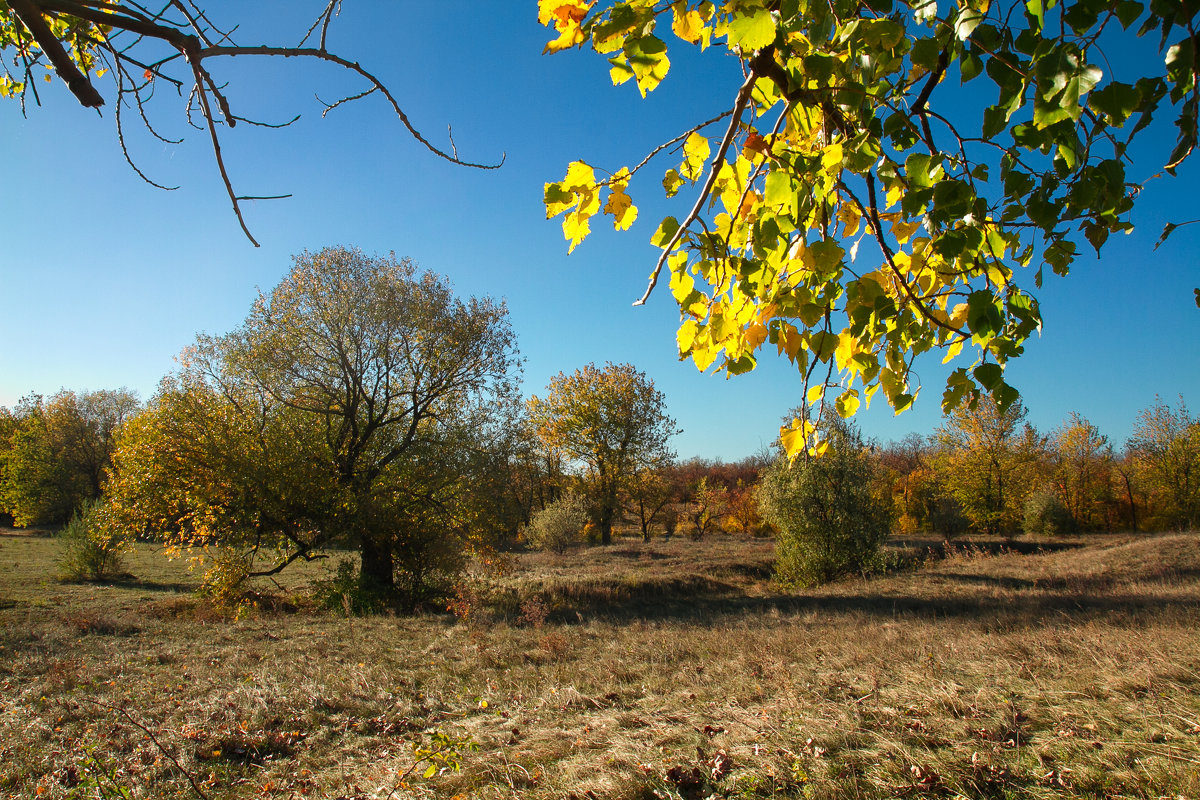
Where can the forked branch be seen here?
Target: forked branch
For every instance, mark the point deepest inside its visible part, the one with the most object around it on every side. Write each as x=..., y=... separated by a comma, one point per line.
x=188, y=33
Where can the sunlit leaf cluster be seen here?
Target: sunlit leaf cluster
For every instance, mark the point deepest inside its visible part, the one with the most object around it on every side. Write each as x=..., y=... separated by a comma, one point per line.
x=892, y=177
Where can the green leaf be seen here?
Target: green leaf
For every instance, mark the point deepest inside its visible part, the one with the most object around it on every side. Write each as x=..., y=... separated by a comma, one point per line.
x=780, y=191
x=752, y=31
x=984, y=316
x=647, y=57
x=989, y=376
x=925, y=53
x=1128, y=11
x=1005, y=396
x=1117, y=101
x=1036, y=13
x=431, y=770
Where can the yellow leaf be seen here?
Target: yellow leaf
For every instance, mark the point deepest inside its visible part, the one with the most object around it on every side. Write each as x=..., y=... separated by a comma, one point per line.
x=815, y=393
x=792, y=437
x=791, y=341
x=695, y=153
x=687, y=25
x=621, y=207
x=579, y=174
x=620, y=71
x=704, y=356
x=903, y=231
x=847, y=404
x=952, y=351
x=847, y=348
x=686, y=336
x=756, y=334
x=850, y=219
x=831, y=157
x=566, y=15
x=958, y=316
x=576, y=228
x=894, y=193
x=682, y=284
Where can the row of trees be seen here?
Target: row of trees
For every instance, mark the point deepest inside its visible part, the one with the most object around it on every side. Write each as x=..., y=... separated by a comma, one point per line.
x=985, y=468
x=54, y=452
x=360, y=405
x=363, y=405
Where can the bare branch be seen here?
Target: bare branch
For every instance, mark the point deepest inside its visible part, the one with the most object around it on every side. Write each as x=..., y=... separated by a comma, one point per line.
x=216, y=143
x=677, y=139
x=261, y=124
x=121, y=76
x=331, y=106
x=353, y=66
x=739, y=106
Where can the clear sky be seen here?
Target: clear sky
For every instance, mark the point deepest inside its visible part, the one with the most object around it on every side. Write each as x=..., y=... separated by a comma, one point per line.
x=104, y=279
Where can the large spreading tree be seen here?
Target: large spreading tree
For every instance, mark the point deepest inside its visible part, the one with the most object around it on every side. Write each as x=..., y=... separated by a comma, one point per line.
x=612, y=423
x=358, y=403
x=891, y=177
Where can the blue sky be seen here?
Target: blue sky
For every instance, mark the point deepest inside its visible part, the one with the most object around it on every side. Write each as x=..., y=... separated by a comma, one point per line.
x=104, y=279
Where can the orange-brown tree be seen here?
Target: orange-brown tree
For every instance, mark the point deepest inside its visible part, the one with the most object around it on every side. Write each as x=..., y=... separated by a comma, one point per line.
x=610, y=422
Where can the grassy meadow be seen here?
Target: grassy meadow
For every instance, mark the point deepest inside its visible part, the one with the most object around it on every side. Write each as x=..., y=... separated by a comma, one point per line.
x=670, y=669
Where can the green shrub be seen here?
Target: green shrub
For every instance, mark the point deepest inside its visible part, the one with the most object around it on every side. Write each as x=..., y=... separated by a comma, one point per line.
x=1046, y=514
x=947, y=519
x=828, y=525
x=91, y=550
x=342, y=592
x=559, y=525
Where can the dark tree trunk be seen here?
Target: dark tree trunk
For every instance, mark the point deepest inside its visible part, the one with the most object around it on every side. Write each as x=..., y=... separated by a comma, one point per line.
x=378, y=572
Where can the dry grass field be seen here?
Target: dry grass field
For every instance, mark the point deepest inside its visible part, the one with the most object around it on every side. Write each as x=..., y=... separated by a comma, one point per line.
x=638, y=671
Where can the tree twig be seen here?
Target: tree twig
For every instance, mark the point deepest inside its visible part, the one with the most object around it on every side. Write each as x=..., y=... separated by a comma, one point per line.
x=739, y=106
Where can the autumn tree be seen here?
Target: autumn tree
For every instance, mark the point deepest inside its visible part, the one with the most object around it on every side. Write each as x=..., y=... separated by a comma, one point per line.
x=357, y=403
x=1166, y=447
x=851, y=207
x=131, y=52
x=648, y=494
x=611, y=423
x=906, y=469
x=1082, y=463
x=709, y=505
x=59, y=451
x=988, y=460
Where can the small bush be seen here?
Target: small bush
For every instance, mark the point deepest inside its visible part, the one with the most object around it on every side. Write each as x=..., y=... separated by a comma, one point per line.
x=1045, y=514
x=91, y=551
x=828, y=523
x=947, y=518
x=225, y=580
x=342, y=592
x=559, y=525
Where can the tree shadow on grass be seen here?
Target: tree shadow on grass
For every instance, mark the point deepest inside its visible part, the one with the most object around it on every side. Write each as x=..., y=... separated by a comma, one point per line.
x=1045, y=604
x=131, y=582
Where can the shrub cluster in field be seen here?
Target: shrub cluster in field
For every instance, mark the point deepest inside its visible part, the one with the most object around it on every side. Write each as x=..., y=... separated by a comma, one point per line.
x=559, y=525
x=92, y=551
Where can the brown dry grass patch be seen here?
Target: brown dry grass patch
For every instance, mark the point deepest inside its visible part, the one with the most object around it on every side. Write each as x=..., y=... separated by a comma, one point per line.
x=639, y=671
